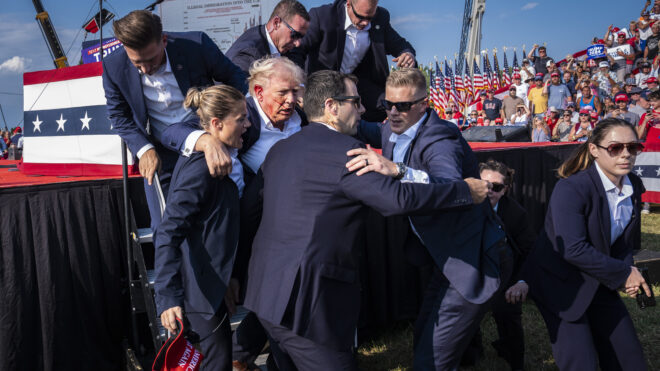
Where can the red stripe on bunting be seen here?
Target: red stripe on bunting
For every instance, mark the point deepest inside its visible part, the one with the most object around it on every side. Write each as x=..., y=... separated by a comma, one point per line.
x=62, y=74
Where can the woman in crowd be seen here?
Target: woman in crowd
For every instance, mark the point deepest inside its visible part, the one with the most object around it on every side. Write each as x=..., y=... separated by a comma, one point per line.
x=507, y=305
x=562, y=130
x=580, y=132
x=584, y=254
x=540, y=131
x=197, y=238
x=520, y=117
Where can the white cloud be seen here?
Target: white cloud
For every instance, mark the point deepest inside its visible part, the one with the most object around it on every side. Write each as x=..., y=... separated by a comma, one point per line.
x=530, y=6
x=15, y=64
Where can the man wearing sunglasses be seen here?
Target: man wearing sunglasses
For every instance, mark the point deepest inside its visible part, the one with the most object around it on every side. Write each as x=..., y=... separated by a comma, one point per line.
x=355, y=36
x=286, y=27
x=420, y=147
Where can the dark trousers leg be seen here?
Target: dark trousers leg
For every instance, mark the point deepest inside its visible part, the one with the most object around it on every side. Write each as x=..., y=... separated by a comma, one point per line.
x=294, y=352
x=216, y=339
x=445, y=326
x=511, y=342
x=604, y=333
x=249, y=339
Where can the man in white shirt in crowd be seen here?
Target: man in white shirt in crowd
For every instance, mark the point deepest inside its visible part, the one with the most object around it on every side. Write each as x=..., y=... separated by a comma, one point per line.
x=521, y=87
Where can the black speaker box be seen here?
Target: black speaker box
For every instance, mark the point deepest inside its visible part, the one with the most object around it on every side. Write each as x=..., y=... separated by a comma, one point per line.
x=496, y=134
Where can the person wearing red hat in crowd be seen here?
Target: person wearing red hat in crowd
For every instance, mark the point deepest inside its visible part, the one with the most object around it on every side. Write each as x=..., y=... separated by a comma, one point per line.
x=492, y=106
x=552, y=68
x=588, y=99
x=652, y=41
x=582, y=130
x=645, y=71
x=621, y=111
x=17, y=138
x=651, y=86
x=521, y=87
x=540, y=62
x=538, y=97
x=558, y=93
x=623, y=61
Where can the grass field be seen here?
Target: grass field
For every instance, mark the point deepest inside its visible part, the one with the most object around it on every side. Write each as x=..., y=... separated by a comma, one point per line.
x=392, y=349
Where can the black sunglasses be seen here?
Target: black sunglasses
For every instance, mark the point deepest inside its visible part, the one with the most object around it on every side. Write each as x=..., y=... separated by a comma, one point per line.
x=361, y=17
x=585, y=114
x=351, y=98
x=498, y=187
x=400, y=106
x=295, y=35
x=615, y=149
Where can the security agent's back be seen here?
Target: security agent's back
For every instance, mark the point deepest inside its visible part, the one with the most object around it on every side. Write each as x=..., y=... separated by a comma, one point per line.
x=313, y=211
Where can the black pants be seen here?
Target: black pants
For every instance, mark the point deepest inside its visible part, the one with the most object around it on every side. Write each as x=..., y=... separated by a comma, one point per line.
x=604, y=335
x=511, y=342
x=249, y=339
x=294, y=352
x=215, y=334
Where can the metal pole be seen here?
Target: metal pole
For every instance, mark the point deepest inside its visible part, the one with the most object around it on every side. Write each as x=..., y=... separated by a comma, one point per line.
x=3, y=117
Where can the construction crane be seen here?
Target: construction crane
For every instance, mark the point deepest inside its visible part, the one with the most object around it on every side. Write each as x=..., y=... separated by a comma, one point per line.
x=48, y=31
x=473, y=15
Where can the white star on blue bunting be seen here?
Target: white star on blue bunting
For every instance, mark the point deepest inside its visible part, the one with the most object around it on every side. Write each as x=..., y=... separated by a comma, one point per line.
x=37, y=124
x=85, y=122
x=60, y=123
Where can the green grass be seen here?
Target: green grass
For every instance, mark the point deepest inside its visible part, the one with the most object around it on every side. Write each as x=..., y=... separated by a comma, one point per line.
x=392, y=347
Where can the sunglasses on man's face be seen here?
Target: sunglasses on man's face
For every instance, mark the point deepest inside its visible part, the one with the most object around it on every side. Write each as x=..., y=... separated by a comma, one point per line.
x=349, y=98
x=360, y=16
x=615, y=149
x=400, y=106
x=498, y=187
x=295, y=35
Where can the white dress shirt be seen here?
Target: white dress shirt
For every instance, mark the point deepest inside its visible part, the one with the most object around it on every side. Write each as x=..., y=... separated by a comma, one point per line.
x=269, y=135
x=401, y=144
x=164, y=102
x=620, y=203
x=271, y=45
x=356, y=46
x=236, y=171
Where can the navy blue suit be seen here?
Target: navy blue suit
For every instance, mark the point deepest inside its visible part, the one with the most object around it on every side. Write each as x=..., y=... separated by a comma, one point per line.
x=196, y=62
x=574, y=270
x=195, y=248
x=323, y=49
x=249, y=47
x=465, y=275
x=304, y=282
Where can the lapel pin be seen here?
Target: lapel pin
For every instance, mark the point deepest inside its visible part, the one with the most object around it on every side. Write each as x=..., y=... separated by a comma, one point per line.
x=377, y=27
x=179, y=67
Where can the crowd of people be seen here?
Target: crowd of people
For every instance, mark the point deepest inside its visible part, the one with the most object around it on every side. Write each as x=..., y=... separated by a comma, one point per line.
x=267, y=192
x=10, y=138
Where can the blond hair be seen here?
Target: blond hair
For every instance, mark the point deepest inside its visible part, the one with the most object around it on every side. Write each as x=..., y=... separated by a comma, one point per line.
x=214, y=101
x=262, y=70
x=412, y=77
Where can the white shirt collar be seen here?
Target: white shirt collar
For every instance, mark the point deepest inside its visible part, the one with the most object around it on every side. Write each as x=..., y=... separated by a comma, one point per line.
x=329, y=126
x=271, y=44
x=348, y=23
x=411, y=132
x=609, y=186
x=269, y=124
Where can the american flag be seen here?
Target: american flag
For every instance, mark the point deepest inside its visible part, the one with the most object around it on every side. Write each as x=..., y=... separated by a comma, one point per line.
x=516, y=67
x=67, y=131
x=507, y=75
x=478, y=82
x=448, y=80
x=488, y=84
x=453, y=94
x=440, y=88
x=458, y=77
x=496, y=72
x=467, y=81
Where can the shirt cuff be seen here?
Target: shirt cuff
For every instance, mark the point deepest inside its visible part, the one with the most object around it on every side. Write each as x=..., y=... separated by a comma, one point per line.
x=144, y=149
x=189, y=146
x=415, y=176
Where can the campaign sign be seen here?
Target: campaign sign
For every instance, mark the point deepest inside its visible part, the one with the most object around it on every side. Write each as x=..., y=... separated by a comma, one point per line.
x=614, y=52
x=92, y=54
x=596, y=51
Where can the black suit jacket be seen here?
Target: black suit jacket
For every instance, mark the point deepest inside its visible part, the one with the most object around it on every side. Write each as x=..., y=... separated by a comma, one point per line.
x=519, y=230
x=196, y=240
x=323, y=49
x=251, y=46
x=304, y=266
x=454, y=238
x=573, y=255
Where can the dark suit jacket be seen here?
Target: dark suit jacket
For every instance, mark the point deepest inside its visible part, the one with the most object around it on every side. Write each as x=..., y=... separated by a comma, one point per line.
x=196, y=241
x=452, y=238
x=519, y=230
x=573, y=256
x=304, y=265
x=196, y=62
x=323, y=48
x=251, y=46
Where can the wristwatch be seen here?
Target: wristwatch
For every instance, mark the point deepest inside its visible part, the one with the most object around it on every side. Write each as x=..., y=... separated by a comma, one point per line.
x=401, y=168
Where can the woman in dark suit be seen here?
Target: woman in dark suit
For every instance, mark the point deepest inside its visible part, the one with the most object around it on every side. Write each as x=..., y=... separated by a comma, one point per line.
x=197, y=238
x=584, y=254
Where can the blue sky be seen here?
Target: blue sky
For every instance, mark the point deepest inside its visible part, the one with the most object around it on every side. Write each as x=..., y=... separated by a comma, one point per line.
x=432, y=26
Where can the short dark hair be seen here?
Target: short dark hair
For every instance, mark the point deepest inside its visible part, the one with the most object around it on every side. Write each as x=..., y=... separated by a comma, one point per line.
x=138, y=29
x=498, y=167
x=655, y=95
x=287, y=9
x=322, y=85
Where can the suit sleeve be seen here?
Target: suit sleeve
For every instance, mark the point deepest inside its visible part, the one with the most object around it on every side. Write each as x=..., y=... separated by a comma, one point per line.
x=244, y=58
x=395, y=44
x=444, y=159
x=308, y=43
x=174, y=136
x=184, y=202
x=121, y=115
x=392, y=197
x=571, y=241
x=222, y=69
x=370, y=133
